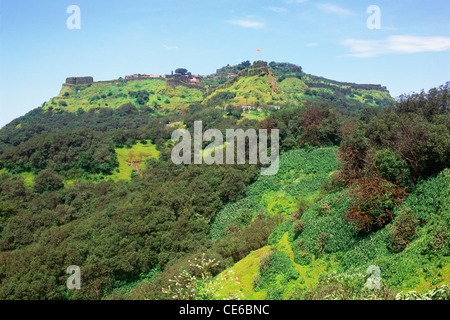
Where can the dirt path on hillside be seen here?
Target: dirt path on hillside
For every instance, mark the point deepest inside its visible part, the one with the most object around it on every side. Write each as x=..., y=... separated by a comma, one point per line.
x=135, y=165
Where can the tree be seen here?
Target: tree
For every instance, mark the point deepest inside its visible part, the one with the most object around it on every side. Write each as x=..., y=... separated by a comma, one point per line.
x=7, y=210
x=373, y=202
x=47, y=180
x=244, y=64
x=318, y=126
x=392, y=167
x=182, y=71
x=235, y=112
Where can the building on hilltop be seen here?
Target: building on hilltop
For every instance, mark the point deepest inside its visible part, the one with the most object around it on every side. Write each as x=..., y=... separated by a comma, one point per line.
x=138, y=76
x=172, y=75
x=247, y=108
x=194, y=78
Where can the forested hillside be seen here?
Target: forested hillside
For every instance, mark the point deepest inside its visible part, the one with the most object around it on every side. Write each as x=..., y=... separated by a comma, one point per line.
x=87, y=179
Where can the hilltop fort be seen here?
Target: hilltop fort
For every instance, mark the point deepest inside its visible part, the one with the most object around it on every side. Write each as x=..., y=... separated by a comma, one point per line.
x=79, y=80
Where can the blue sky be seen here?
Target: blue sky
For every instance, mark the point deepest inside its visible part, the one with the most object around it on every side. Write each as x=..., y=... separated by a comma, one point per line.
x=328, y=38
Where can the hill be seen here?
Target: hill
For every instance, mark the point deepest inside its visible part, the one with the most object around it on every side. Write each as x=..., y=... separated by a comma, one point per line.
x=280, y=84
x=88, y=180
x=254, y=85
x=257, y=90
x=157, y=94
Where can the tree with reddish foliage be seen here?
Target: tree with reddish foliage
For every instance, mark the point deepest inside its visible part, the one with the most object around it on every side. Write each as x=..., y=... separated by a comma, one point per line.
x=311, y=124
x=373, y=202
x=352, y=153
x=268, y=124
x=407, y=144
x=319, y=126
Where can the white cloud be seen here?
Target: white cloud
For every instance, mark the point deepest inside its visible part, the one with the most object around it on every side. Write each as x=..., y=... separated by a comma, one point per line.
x=396, y=44
x=247, y=23
x=170, y=47
x=331, y=8
x=277, y=9
x=312, y=44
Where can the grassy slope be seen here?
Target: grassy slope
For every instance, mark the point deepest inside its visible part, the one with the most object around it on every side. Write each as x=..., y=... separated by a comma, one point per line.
x=300, y=176
x=138, y=153
x=252, y=90
x=254, y=115
x=254, y=86
x=361, y=95
x=269, y=89
x=113, y=94
x=419, y=267
x=240, y=277
x=28, y=177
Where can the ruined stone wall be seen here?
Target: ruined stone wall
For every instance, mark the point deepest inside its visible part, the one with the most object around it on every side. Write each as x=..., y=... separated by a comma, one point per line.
x=79, y=80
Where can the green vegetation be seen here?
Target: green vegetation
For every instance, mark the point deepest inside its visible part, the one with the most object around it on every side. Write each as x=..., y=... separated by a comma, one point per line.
x=133, y=158
x=327, y=239
x=363, y=183
x=253, y=90
x=150, y=93
x=300, y=176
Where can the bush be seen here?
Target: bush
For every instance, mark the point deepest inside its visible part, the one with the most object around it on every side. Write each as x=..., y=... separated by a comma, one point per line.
x=392, y=167
x=343, y=286
x=198, y=284
x=276, y=268
x=431, y=198
x=438, y=293
x=275, y=292
x=298, y=226
x=373, y=202
x=325, y=229
x=240, y=241
x=404, y=229
x=303, y=257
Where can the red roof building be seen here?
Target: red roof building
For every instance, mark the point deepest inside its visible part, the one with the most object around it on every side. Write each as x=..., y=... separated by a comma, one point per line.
x=195, y=79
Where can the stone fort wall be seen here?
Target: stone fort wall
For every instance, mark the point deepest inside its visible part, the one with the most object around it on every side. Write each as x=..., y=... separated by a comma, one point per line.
x=79, y=80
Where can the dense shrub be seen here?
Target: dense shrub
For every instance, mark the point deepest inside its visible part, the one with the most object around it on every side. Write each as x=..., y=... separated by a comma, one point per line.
x=47, y=180
x=275, y=268
x=237, y=242
x=303, y=171
x=343, y=286
x=373, y=202
x=404, y=229
x=392, y=167
x=437, y=293
x=404, y=145
x=81, y=149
